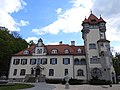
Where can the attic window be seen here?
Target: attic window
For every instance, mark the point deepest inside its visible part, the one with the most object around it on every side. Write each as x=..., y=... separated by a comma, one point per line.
x=66, y=51
x=26, y=52
x=54, y=51
x=93, y=20
x=79, y=50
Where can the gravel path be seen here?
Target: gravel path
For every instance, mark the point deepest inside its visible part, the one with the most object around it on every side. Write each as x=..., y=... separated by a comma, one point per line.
x=44, y=86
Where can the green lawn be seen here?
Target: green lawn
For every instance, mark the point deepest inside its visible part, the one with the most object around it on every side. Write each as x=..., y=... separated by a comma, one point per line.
x=16, y=87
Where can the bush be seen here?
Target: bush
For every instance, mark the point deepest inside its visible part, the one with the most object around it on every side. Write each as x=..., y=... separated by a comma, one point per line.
x=99, y=82
x=73, y=82
x=58, y=81
x=53, y=81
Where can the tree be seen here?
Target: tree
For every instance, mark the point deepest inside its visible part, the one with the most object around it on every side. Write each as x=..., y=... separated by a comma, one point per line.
x=9, y=45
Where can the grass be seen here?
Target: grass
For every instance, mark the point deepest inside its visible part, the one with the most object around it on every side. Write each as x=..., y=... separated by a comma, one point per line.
x=16, y=87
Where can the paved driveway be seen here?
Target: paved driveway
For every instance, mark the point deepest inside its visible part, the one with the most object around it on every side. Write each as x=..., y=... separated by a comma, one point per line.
x=44, y=86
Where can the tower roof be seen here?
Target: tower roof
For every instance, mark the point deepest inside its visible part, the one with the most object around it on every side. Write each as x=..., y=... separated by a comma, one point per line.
x=92, y=19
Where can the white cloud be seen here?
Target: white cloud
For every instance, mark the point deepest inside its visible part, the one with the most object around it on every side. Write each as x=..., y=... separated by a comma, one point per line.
x=35, y=39
x=7, y=7
x=70, y=20
x=23, y=23
x=59, y=10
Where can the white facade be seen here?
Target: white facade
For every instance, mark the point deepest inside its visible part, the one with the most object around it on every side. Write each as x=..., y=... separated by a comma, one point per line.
x=78, y=62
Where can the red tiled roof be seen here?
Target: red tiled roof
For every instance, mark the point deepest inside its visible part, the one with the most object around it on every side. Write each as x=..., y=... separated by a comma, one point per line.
x=60, y=48
x=92, y=19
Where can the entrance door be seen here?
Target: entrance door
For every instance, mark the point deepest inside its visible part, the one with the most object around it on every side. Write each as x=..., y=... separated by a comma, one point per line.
x=38, y=72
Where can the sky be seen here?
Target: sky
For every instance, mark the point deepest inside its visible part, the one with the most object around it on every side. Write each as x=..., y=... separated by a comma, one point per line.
x=59, y=20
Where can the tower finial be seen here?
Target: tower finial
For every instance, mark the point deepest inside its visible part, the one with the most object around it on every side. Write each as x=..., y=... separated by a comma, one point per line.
x=90, y=11
x=100, y=15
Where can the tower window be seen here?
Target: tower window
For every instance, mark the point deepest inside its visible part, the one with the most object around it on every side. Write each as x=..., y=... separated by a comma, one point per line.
x=94, y=60
x=92, y=46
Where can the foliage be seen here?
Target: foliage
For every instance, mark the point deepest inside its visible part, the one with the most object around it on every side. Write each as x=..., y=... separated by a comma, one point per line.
x=15, y=87
x=58, y=81
x=9, y=45
x=99, y=82
x=53, y=81
x=116, y=64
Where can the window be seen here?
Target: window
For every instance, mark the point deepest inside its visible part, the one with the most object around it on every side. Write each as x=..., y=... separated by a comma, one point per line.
x=79, y=50
x=66, y=51
x=92, y=46
x=95, y=60
x=51, y=72
x=32, y=61
x=16, y=61
x=26, y=52
x=22, y=72
x=83, y=61
x=53, y=61
x=76, y=61
x=39, y=51
x=96, y=72
x=80, y=72
x=102, y=45
x=44, y=61
x=66, y=61
x=66, y=72
x=39, y=61
x=15, y=72
x=54, y=51
x=23, y=61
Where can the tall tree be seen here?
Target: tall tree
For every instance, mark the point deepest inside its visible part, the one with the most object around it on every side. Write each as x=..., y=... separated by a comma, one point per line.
x=9, y=45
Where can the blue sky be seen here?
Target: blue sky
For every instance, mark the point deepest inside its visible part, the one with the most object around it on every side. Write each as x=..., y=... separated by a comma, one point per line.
x=58, y=20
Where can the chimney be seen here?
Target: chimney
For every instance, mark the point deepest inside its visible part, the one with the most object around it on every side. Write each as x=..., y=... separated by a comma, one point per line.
x=60, y=43
x=28, y=46
x=72, y=43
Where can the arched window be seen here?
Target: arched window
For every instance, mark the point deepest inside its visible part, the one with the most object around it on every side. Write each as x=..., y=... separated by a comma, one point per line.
x=96, y=73
x=80, y=72
x=83, y=62
x=66, y=51
x=76, y=61
x=54, y=51
x=79, y=50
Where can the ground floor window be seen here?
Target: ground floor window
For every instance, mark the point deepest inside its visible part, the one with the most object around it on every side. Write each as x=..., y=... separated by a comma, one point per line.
x=80, y=72
x=15, y=72
x=51, y=72
x=22, y=72
x=66, y=72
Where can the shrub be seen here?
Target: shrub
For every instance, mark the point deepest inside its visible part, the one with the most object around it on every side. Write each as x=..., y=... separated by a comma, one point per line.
x=99, y=82
x=73, y=81
x=53, y=81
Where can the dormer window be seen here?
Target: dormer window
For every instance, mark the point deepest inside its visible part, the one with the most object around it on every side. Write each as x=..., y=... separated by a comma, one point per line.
x=54, y=51
x=93, y=20
x=66, y=51
x=79, y=50
x=39, y=51
x=26, y=52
